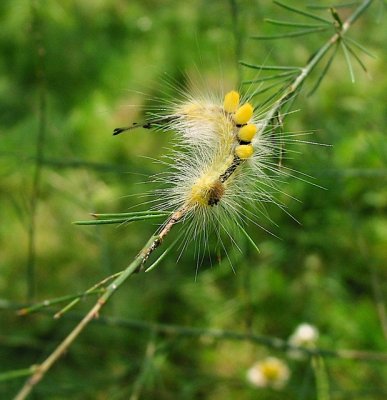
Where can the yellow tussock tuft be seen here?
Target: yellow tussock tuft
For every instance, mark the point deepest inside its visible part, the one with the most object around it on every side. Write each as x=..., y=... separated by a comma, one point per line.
x=243, y=114
x=244, y=151
x=231, y=101
x=247, y=132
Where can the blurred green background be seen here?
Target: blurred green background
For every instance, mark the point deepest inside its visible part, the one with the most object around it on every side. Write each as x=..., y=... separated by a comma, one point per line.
x=72, y=71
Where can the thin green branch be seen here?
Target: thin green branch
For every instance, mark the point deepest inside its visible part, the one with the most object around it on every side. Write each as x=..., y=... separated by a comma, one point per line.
x=51, y=302
x=275, y=343
x=100, y=286
x=224, y=334
x=306, y=71
x=39, y=148
x=141, y=258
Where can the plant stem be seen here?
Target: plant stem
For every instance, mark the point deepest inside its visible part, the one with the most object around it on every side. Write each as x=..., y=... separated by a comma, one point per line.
x=305, y=72
x=39, y=149
x=133, y=267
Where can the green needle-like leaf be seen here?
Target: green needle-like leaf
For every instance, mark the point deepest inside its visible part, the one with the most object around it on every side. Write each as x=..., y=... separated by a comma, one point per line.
x=341, y=5
x=97, y=288
x=302, y=12
x=293, y=24
x=357, y=58
x=15, y=374
x=121, y=218
x=162, y=256
x=336, y=17
x=271, y=98
x=348, y=61
x=270, y=67
x=130, y=214
x=58, y=300
x=269, y=78
x=323, y=72
x=290, y=34
x=248, y=237
x=359, y=46
x=267, y=88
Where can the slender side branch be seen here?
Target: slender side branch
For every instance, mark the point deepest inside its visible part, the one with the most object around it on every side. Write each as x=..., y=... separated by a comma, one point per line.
x=305, y=72
x=133, y=267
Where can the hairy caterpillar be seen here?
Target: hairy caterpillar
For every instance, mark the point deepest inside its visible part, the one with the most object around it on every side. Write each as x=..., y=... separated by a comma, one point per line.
x=222, y=170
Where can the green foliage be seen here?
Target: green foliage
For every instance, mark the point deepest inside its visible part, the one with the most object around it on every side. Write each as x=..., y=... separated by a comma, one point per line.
x=96, y=65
